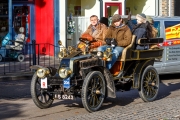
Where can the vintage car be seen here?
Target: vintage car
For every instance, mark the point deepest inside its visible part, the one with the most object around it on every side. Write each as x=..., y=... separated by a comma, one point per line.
x=84, y=74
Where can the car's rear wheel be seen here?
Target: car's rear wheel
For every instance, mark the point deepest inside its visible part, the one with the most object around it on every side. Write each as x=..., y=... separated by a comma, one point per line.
x=41, y=97
x=149, y=86
x=93, y=91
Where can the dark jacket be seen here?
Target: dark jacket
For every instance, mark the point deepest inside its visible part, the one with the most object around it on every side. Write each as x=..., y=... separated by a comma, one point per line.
x=123, y=35
x=141, y=31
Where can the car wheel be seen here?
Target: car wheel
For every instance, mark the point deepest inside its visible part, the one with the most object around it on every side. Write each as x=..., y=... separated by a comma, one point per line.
x=93, y=91
x=41, y=97
x=20, y=58
x=149, y=86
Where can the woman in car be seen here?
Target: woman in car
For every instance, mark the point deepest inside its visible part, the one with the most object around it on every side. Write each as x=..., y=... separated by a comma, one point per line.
x=142, y=29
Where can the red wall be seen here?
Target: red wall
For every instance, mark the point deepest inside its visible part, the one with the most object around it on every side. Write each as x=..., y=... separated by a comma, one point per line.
x=44, y=25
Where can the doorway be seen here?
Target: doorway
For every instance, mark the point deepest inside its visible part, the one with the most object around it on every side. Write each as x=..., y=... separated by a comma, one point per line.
x=22, y=16
x=113, y=8
x=21, y=19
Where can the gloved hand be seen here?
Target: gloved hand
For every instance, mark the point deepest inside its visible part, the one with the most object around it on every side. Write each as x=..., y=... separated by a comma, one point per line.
x=87, y=36
x=108, y=41
x=129, y=16
x=114, y=42
x=95, y=44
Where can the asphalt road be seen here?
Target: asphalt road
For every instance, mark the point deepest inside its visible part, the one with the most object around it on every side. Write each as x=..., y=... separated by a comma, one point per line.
x=16, y=104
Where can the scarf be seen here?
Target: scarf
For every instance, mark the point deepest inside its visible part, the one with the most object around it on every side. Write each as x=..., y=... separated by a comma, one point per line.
x=120, y=26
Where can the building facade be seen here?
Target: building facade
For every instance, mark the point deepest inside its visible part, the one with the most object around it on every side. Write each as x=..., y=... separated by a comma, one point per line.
x=38, y=17
x=45, y=21
x=81, y=10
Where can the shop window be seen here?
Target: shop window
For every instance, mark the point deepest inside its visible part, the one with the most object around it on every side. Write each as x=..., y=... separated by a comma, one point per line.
x=3, y=19
x=157, y=26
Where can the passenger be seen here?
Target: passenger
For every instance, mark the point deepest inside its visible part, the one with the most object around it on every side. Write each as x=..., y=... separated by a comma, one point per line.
x=122, y=35
x=104, y=21
x=154, y=32
x=97, y=31
x=142, y=30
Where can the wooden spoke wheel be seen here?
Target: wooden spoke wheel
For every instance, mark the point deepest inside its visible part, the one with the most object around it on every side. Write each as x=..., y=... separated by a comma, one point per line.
x=93, y=91
x=149, y=86
x=41, y=97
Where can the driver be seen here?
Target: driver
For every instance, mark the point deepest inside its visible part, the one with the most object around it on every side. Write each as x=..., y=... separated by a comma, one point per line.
x=95, y=31
x=119, y=35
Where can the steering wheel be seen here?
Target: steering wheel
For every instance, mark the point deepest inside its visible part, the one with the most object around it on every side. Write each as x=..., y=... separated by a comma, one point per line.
x=87, y=42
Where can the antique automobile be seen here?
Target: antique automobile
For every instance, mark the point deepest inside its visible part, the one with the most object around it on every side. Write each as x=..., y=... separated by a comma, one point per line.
x=84, y=74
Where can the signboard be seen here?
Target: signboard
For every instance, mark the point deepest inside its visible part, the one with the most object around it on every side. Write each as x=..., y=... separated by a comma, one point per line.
x=172, y=34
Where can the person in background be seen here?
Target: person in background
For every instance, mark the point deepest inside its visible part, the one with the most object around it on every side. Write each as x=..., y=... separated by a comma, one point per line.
x=154, y=30
x=95, y=32
x=118, y=35
x=142, y=29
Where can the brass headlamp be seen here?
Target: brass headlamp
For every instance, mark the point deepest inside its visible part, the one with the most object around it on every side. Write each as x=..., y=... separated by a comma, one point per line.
x=42, y=72
x=65, y=72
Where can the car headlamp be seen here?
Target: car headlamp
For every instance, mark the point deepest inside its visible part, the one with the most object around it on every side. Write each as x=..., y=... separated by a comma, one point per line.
x=42, y=72
x=61, y=55
x=99, y=54
x=64, y=72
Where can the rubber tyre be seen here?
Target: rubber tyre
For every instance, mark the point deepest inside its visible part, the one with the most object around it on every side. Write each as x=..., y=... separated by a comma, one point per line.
x=88, y=95
x=20, y=58
x=35, y=88
x=148, y=92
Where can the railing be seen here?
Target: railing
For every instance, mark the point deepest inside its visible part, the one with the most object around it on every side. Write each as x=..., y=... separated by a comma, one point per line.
x=35, y=54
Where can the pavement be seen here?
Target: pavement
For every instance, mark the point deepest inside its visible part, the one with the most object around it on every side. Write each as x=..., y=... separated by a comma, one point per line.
x=17, y=76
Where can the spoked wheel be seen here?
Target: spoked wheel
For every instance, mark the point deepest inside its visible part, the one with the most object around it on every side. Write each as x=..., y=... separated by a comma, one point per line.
x=149, y=84
x=41, y=97
x=93, y=91
x=20, y=58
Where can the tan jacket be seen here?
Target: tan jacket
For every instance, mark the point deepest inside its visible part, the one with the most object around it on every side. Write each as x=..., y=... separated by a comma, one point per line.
x=99, y=33
x=123, y=35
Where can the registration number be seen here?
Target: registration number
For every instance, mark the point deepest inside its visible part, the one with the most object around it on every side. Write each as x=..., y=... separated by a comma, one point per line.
x=64, y=97
x=44, y=82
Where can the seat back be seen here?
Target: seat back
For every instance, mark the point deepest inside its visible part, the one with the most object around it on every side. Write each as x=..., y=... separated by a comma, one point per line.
x=127, y=50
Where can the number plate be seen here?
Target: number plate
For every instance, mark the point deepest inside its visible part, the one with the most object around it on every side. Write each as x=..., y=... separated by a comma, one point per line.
x=43, y=82
x=66, y=83
x=65, y=97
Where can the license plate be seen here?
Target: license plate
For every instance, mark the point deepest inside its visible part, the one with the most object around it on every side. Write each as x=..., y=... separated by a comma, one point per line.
x=44, y=82
x=69, y=97
x=66, y=83
x=65, y=97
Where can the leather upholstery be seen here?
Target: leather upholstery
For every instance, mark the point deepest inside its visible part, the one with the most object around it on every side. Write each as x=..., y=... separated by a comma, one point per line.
x=127, y=50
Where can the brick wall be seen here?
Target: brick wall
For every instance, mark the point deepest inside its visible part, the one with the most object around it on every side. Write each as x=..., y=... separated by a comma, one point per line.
x=164, y=7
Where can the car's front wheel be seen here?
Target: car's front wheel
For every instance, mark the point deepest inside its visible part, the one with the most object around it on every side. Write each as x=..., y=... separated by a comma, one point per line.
x=93, y=91
x=41, y=97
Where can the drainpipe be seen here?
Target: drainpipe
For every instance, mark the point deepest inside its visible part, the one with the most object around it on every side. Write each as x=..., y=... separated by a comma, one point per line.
x=10, y=17
x=157, y=7
x=169, y=7
x=101, y=8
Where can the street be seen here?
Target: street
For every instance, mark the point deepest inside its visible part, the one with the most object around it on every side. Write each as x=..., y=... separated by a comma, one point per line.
x=16, y=104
